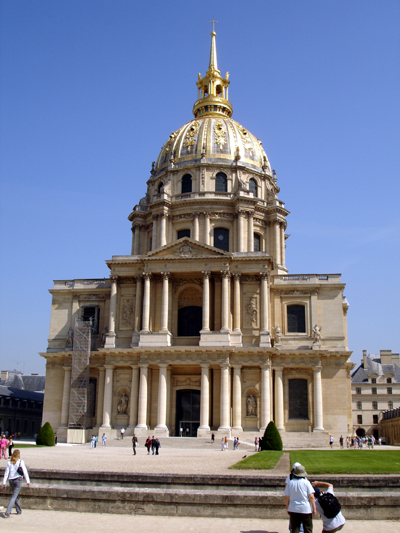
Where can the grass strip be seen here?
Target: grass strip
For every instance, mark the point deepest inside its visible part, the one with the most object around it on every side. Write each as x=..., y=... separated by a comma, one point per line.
x=348, y=461
x=259, y=461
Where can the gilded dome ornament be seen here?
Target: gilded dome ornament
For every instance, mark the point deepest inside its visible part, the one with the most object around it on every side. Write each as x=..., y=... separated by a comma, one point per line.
x=220, y=133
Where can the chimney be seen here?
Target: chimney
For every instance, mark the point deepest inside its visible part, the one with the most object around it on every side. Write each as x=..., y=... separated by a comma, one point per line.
x=396, y=359
x=365, y=361
x=4, y=374
x=386, y=357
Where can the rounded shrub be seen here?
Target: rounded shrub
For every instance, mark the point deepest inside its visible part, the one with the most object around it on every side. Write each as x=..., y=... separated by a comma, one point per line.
x=271, y=439
x=46, y=436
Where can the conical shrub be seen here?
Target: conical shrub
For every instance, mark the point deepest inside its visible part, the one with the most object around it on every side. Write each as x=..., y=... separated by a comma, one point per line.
x=46, y=436
x=271, y=439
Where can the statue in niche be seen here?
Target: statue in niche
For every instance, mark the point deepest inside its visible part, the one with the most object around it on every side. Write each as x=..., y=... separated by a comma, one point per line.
x=251, y=311
x=70, y=337
x=251, y=406
x=122, y=406
x=316, y=333
x=278, y=334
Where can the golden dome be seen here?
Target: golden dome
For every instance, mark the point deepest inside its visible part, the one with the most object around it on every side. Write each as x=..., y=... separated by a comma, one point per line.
x=212, y=137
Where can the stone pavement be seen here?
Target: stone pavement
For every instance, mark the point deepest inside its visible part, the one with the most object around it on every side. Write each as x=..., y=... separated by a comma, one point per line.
x=67, y=522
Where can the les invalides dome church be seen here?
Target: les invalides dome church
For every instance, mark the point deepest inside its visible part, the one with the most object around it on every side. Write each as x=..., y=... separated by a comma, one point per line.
x=202, y=328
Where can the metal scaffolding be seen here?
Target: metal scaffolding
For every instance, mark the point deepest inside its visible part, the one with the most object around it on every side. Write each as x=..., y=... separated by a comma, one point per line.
x=78, y=404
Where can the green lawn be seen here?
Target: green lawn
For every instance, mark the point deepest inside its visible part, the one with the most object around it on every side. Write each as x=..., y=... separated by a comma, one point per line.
x=259, y=461
x=17, y=446
x=348, y=461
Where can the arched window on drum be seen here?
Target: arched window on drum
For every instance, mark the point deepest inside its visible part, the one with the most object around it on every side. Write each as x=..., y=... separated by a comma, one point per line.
x=253, y=187
x=186, y=183
x=221, y=182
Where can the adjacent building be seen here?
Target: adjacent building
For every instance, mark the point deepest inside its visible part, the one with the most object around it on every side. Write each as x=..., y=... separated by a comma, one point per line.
x=375, y=389
x=202, y=328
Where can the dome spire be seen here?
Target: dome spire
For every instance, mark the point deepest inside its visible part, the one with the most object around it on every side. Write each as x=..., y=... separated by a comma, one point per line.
x=212, y=90
x=213, y=65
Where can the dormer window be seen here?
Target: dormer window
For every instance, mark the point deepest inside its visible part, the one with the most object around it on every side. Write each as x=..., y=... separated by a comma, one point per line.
x=373, y=380
x=161, y=188
x=388, y=380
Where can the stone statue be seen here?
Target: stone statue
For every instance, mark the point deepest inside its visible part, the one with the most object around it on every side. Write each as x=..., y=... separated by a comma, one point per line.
x=122, y=404
x=316, y=333
x=70, y=337
x=251, y=406
x=278, y=334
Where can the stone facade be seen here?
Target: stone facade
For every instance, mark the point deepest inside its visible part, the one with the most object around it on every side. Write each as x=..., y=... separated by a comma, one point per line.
x=202, y=328
x=375, y=388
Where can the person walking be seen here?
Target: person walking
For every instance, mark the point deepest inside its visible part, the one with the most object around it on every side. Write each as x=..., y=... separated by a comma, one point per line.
x=256, y=444
x=15, y=471
x=104, y=439
x=3, y=447
x=300, y=501
x=134, y=443
x=10, y=446
x=153, y=445
x=122, y=433
x=330, y=525
x=148, y=444
x=158, y=446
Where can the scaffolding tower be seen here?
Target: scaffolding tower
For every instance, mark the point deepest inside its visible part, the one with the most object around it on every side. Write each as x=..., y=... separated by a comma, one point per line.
x=78, y=404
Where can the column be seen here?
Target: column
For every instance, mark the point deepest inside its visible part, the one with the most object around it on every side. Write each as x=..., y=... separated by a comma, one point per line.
x=146, y=303
x=136, y=247
x=138, y=304
x=164, y=304
x=110, y=337
x=207, y=228
x=283, y=245
x=237, y=398
x=240, y=231
x=142, y=407
x=264, y=301
x=236, y=302
x=162, y=398
x=154, y=234
x=205, y=398
x=318, y=407
x=163, y=232
x=265, y=396
x=225, y=302
x=100, y=397
x=196, y=226
x=276, y=242
x=224, y=415
x=133, y=240
x=250, y=232
x=206, y=301
x=108, y=382
x=66, y=396
x=133, y=408
x=279, y=399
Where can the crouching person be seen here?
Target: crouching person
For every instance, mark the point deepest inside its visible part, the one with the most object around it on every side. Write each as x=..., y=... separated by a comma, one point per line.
x=300, y=502
x=328, y=507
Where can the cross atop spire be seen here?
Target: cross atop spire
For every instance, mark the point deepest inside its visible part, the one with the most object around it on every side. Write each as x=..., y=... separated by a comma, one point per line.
x=213, y=22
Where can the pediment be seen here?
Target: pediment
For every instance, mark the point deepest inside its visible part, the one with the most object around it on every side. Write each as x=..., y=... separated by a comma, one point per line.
x=186, y=248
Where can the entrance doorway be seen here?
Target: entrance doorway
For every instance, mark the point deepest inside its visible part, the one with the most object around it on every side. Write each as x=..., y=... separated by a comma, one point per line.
x=187, y=412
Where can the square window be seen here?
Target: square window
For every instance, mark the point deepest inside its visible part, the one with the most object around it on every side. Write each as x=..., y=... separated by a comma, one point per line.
x=389, y=390
x=358, y=390
x=374, y=405
x=375, y=419
x=389, y=380
x=359, y=405
x=373, y=390
x=373, y=380
x=359, y=419
x=390, y=405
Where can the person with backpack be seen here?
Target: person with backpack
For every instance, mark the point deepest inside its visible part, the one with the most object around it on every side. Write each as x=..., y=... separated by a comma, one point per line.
x=328, y=507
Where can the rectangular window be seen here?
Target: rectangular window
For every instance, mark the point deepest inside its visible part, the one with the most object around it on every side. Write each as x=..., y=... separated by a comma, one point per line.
x=373, y=390
x=359, y=419
x=296, y=318
x=375, y=419
x=298, y=399
x=373, y=380
x=390, y=405
x=389, y=390
x=388, y=380
x=359, y=406
x=358, y=390
x=183, y=233
x=92, y=313
x=374, y=405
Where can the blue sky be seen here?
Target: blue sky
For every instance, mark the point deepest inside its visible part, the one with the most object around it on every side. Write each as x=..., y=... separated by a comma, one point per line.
x=90, y=90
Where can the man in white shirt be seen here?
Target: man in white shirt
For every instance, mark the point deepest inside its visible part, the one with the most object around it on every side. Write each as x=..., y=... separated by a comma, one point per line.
x=330, y=525
x=300, y=502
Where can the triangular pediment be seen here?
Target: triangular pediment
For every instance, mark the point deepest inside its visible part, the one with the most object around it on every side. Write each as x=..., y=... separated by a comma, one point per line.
x=186, y=248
